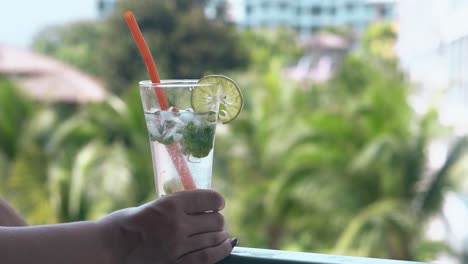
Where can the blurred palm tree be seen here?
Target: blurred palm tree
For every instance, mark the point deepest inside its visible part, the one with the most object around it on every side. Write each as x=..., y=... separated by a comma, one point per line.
x=406, y=193
x=392, y=225
x=101, y=160
x=341, y=165
x=64, y=163
x=15, y=112
x=16, y=156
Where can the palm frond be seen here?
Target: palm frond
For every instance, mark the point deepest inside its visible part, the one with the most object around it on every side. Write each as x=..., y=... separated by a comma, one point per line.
x=375, y=151
x=15, y=110
x=79, y=176
x=4, y=168
x=377, y=213
x=100, y=176
x=428, y=199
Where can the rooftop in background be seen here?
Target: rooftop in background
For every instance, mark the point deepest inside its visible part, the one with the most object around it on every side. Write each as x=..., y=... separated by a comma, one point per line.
x=47, y=79
x=325, y=51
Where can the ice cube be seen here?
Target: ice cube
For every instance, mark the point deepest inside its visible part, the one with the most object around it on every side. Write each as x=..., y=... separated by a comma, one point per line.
x=153, y=120
x=186, y=116
x=167, y=115
x=173, y=128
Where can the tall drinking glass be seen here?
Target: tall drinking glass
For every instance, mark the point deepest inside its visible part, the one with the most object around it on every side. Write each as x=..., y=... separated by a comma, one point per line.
x=181, y=138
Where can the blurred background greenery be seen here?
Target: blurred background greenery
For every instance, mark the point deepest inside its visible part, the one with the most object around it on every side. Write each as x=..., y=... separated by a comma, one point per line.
x=336, y=166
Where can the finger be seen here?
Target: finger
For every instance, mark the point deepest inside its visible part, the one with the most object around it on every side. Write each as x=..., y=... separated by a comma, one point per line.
x=199, y=201
x=202, y=241
x=207, y=255
x=205, y=223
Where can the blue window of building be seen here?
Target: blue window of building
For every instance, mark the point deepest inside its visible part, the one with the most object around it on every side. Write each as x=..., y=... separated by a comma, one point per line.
x=101, y=5
x=350, y=7
x=298, y=10
x=383, y=12
x=265, y=5
x=248, y=9
x=283, y=5
x=332, y=10
x=316, y=10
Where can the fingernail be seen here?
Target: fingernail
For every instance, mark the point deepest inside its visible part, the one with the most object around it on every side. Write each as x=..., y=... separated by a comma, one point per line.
x=234, y=242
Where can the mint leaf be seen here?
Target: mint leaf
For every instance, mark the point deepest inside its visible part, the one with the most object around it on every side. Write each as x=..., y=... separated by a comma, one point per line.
x=198, y=140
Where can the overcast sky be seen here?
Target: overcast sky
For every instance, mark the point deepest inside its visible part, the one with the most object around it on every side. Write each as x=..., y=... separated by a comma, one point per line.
x=22, y=19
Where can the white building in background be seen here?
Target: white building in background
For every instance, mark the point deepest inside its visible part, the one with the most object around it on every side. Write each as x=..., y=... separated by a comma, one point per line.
x=324, y=51
x=433, y=49
x=456, y=51
x=308, y=16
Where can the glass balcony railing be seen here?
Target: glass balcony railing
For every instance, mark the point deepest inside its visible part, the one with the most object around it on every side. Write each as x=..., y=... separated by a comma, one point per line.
x=243, y=255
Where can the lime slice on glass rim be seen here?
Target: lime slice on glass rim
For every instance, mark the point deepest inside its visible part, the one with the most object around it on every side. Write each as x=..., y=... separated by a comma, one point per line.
x=231, y=103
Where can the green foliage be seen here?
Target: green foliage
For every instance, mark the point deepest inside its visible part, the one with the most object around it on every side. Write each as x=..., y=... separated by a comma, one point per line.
x=429, y=250
x=265, y=45
x=14, y=111
x=379, y=40
x=75, y=44
x=21, y=158
x=342, y=160
x=66, y=163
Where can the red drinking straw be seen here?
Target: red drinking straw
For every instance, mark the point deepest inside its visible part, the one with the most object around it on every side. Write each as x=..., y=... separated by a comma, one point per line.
x=176, y=156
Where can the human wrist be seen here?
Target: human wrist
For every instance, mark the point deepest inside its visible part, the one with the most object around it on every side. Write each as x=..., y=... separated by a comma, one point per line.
x=117, y=240
x=110, y=241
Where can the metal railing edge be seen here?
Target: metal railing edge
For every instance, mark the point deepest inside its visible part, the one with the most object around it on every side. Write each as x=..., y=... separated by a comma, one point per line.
x=243, y=255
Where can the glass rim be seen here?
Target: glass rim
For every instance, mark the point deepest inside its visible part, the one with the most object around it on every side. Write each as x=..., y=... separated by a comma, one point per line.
x=174, y=83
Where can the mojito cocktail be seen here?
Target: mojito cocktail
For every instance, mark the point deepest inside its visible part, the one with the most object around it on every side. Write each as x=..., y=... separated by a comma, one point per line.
x=182, y=133
x=181, y=137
